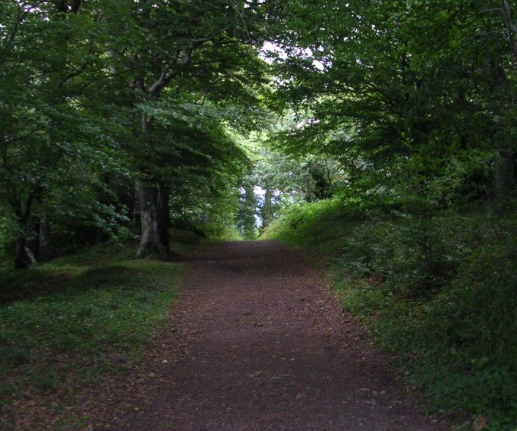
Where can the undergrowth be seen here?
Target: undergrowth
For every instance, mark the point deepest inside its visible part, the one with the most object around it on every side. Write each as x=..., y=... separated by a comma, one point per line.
x=66, y=325
x=319, y=227
x=439, y=291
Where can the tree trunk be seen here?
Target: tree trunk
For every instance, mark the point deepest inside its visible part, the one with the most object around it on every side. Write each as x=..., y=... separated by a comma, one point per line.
x=247, y=211
x=153, y=206
x=136, y=222
x=505, y=166
x=267, y=208
x=154, y=239
x=164, y=213
x=22, y=259
x=24, y=255
x=511, y=28
x=504, y=152
x=321, y=183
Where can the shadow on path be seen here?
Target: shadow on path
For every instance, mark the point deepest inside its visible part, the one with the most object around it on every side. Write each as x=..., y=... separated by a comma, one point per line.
x=258, y=343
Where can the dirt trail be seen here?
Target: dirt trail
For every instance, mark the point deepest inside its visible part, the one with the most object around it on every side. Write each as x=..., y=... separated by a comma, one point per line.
x=257, y=343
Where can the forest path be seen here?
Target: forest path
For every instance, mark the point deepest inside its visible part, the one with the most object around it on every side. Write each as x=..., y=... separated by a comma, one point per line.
x=257, y=342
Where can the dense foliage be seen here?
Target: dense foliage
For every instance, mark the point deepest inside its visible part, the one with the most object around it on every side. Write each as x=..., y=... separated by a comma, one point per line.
x=398, y=132
x=113, y=113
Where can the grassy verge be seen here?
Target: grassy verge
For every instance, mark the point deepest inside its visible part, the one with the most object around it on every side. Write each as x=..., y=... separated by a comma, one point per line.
x=320, y=228
x=436, y=291
x=66, y=325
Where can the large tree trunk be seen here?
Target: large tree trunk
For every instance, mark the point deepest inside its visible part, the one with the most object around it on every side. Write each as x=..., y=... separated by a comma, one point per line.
x=154, y=239
x=152, y=202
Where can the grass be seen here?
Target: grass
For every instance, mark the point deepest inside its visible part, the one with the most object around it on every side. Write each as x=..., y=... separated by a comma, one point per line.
x=320, y=228
x=66, y=325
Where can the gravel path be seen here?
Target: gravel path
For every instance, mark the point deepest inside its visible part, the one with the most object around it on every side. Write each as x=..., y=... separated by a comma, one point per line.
x=258, y=343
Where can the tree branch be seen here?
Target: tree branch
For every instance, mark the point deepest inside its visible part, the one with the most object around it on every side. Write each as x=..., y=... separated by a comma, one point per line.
x=511, y=27
x=22, y=14
x=159, y=84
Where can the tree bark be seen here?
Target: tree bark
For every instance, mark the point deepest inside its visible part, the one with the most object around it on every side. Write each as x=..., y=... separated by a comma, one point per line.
x=154, y=239
x=24, y=255
x=26, y=248
x=136, y=222
x=151, y=236
x=152, y=202
x=504, y=173
x=246, y=221
x=267, y=208
x=505, y=163
x=164, y=213
x=511, y=28
x=22, y=259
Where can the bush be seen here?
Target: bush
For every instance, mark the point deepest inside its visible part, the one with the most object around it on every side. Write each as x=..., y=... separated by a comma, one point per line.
x=448, y=308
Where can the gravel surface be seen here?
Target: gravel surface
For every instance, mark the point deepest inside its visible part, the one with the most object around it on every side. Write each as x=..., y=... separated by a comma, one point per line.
x=257, y=342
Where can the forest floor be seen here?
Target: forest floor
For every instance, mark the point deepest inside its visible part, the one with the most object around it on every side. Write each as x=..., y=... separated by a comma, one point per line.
x=256, y=342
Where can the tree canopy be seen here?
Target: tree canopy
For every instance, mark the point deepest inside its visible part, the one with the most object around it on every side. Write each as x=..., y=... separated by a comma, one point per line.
x=111, y=110
x=120, y=118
